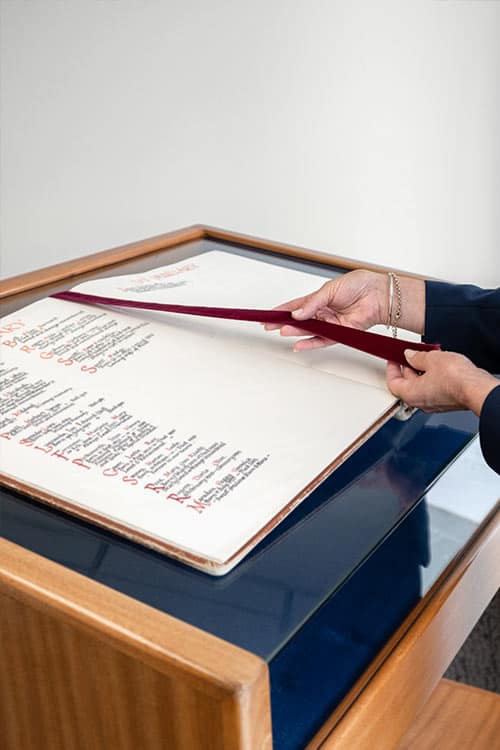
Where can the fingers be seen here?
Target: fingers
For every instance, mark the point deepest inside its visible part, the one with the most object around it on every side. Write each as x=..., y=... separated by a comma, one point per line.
x=402, y=381
x=315, y=342
x=394, y=378
x=285, y=329
x=288, y=330
x=292, y=304
x=303, y=308
x=393, y=373
x=418, y=360
x=311, y=303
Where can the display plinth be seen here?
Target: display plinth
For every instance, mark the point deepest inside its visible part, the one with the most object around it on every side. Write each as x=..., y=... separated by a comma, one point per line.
x=85, y=661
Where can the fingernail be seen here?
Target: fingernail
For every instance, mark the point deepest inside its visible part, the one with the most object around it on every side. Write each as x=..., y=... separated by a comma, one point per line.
x=409, y=353
x=298, y=312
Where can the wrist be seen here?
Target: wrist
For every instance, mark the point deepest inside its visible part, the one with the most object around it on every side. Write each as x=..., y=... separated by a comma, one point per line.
x=382, y=285
x=413, y=307
x=476, y=389
x=412, y=301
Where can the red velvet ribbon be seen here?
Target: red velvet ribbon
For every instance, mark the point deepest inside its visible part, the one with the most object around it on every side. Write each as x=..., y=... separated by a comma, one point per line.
x=385, y=347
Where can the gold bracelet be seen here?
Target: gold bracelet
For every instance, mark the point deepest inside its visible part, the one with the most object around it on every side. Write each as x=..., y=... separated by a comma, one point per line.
x=391, y=300
x=394, y=315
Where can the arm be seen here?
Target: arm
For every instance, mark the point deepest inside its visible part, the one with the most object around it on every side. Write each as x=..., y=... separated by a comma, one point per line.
x=465, y=319
x=359, y=299
x=489, y=429
x=462, y=318
x=448, y=382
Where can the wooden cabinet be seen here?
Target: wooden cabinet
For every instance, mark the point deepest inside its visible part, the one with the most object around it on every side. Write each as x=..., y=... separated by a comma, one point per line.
x=85, y=666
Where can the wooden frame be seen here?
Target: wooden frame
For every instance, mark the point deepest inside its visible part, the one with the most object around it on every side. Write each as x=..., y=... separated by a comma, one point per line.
x=78, y=268
x=86, y=666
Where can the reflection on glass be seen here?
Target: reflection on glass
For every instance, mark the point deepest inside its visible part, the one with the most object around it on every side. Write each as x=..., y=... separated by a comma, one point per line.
x=267, y=598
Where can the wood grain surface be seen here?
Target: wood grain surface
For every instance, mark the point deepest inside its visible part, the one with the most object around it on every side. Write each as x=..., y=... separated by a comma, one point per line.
x=378, y=711
x=456, y=717
x=84, y=666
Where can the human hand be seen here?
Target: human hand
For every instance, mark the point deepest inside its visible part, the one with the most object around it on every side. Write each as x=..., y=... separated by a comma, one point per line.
x=448, y=382
x=357, y=299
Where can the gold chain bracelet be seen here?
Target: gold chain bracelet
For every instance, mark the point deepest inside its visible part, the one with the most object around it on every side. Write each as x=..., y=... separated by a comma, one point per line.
x=394, y=309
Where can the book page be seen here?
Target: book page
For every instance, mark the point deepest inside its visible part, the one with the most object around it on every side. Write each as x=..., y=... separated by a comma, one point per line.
x=179, y=435
x=222, y=279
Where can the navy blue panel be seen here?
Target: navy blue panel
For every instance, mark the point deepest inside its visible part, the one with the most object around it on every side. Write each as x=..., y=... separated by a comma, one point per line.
x=269, y=596
x=315, y=670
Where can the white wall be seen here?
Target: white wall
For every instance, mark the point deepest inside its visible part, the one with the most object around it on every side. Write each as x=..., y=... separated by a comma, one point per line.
x=370, y=129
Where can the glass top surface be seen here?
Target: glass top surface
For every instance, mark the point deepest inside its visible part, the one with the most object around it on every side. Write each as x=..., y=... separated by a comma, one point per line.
x=339, y=643
x=266, y=599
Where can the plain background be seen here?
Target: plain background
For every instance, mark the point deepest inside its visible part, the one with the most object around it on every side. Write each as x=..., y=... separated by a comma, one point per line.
x=368, y=129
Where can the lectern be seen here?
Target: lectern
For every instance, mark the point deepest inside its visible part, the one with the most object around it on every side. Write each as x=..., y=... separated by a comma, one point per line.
x=333, y=633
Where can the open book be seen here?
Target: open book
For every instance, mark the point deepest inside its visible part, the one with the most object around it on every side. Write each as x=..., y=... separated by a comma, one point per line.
x=192, y=436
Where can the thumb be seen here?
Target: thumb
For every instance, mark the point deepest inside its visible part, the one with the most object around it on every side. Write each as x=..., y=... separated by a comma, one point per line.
x=312, y=303
x=417, y=360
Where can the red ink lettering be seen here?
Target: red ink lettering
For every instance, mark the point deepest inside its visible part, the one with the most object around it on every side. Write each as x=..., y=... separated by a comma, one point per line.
x=79, y=462
x=178, y=498
x=130, y=480
x=155, y=487
x=198, y=506
x=46, y=449
x=11, y=327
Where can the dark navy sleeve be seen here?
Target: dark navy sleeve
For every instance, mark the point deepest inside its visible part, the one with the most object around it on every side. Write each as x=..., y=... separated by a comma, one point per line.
x=465, y=319
x=489, y=429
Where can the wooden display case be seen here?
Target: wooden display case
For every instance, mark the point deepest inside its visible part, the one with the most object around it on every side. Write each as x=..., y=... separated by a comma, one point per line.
x=85, y=666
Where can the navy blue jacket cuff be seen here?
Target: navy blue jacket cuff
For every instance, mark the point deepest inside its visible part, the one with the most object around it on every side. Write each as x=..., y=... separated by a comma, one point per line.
x=465, y=319
x=489, y=429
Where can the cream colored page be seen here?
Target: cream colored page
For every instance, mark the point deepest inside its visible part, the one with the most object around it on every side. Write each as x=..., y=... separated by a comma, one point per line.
x=223, y=279
x=171, y=433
